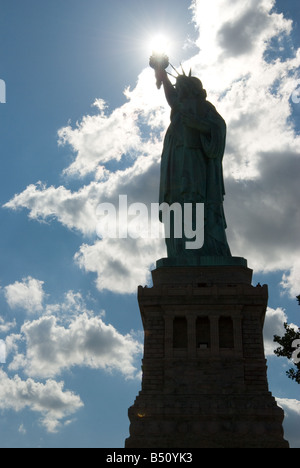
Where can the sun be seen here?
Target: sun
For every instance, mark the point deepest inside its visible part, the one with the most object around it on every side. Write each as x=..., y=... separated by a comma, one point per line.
x=160, y=44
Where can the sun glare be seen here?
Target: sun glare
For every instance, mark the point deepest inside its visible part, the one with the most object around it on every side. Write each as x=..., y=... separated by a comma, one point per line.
x=160, y=44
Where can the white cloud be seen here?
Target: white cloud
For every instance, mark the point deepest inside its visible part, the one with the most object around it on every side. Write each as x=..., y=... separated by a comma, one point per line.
x=2, y=352
x=78, y=210
x=74, y=210
x=274, y=325
x=236, y=34
x=27, y=295
x=52, y=348
x=263, y=217
x=5, y=327
x=22, y=429
x=49, y=399
x=106, y=137
x=120, y=265
x=291, y=280
x=292, y=420
x=65, y=336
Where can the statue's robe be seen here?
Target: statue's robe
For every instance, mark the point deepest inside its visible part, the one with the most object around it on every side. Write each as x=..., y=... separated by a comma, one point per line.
x=191, y=172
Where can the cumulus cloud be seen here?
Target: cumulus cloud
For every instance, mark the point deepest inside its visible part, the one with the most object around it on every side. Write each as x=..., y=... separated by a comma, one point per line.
x=69, y=335
x=2, y=352
x=107, y=137
x=27, y=295
x=78, y=210
x=86, y=341
x=291, y=423
x=263, y=214
x=49, y=399
x=236, y=35
x=66, y=335
x=251, y=26
x=291, y=281
x=274, y=325
x=99, y=139
x=118, y=272
x=74, y=210
x=5, y=327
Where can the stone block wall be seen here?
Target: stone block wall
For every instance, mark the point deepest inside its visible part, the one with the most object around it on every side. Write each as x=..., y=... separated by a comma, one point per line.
x=204, y=388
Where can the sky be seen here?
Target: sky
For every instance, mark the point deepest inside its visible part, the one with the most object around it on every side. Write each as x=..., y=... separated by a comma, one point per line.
x=83, y=123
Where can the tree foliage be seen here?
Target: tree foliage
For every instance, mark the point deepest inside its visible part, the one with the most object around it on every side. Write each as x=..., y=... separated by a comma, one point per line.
x=288, y=349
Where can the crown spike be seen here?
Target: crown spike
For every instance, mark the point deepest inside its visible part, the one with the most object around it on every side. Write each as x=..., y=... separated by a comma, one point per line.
x=174, y=69
x=170, y=74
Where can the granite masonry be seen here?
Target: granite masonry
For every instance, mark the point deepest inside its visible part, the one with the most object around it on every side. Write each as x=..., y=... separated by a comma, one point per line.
x=204, y=369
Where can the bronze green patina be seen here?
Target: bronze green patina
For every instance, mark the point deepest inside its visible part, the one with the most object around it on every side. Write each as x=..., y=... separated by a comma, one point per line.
x=191, y=167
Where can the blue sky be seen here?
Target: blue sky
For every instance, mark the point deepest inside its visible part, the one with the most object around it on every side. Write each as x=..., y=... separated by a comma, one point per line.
x=68, y=308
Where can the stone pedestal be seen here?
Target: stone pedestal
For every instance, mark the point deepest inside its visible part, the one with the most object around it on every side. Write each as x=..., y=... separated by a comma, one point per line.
x=204, y=369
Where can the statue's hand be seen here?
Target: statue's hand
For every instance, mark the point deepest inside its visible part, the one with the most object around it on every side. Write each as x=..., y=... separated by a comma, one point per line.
x=160, y=74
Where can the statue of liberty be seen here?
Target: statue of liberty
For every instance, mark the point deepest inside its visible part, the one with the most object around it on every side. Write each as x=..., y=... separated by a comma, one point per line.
x=191, y=164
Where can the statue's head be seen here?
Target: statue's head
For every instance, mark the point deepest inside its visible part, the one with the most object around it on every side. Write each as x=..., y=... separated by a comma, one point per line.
x=190, y=86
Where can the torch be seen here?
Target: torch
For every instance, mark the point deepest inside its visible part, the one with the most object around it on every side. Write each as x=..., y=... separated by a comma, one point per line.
x=159, y=62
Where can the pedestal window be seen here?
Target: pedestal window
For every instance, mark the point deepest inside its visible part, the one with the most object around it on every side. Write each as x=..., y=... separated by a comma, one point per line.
x=180, y=333
x=226, y=333
x=203, y=340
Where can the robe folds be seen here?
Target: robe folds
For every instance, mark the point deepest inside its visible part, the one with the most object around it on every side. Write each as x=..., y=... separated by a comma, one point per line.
x=192, y=172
